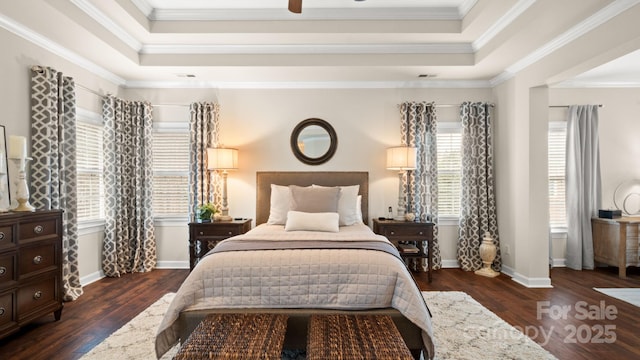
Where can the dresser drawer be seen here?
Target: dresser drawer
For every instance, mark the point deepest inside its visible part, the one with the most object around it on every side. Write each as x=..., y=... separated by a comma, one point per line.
x=7, y=269
x=7, y=240
x=414, y=232
x=36, y=258
x=6, y=309
x=36, y=295
x=218, y=231
x=44, y=228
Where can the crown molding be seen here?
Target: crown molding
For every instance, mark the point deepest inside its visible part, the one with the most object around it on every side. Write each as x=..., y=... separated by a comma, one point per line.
x=605, y=14
x=453, y=48
x=438, y=84
x=144, y=7
x=57, y=49
x=107, y=23
x=268, y=14
x=513, y=13
x=595, y=84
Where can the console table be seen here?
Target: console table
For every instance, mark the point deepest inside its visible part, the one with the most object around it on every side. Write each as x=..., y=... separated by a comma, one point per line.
x=615, y=242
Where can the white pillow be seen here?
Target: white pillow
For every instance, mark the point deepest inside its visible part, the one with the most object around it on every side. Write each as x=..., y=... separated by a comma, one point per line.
x=303, y=221
x=280, y=197
x=348, y=206
x=359, y=209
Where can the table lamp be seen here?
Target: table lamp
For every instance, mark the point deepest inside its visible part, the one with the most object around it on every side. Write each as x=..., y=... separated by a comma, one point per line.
x=401, y=158
x=223, y=159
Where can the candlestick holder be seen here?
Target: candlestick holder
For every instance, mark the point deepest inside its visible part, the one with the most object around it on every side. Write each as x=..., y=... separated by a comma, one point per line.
x=22, y=190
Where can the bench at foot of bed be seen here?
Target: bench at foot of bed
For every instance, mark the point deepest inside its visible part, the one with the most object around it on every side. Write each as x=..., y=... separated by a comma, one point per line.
x=236, y=336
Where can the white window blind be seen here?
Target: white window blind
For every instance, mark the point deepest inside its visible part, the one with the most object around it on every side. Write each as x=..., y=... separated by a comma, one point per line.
x=170, y=173
x=556, y=155
x=89, y=161
x=449, y=168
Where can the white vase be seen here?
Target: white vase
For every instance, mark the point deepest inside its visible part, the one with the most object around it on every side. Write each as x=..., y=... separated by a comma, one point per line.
x=488, y=252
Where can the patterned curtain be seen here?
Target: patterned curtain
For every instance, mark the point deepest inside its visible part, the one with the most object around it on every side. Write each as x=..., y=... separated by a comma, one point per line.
x=583, y=191
x=477, y=202
x=204, y=129
x=129, y=240
x=419, y=128
x=53, y=169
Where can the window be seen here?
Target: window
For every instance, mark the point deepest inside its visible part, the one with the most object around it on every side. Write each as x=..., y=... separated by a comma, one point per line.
x=170, y=170
x=556, y=155
x=449, y=168
x=89, y=162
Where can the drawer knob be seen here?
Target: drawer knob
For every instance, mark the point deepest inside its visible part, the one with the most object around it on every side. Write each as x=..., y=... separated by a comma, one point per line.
x=201, y=232
x=2, y=311
x=38, y=229
x=230, y=232
x=393, y=233
x=2, y=235
x=421, y=233
x=37, y=259
x=3, y=270
x=37, y=295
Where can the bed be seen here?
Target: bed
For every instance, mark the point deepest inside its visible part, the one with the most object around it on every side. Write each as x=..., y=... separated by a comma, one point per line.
x=293, y=268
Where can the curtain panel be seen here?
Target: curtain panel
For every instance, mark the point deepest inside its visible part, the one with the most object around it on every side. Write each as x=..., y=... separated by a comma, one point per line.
x=582, y=178
x=53, y=168
x=419, y=128
x=129, y=243
x=204, y=186
x=477, y=202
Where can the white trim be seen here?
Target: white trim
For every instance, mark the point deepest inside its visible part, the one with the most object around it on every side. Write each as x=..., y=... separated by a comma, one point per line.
x=526, y=281
x=89, y=117
x=450, y=264
x=280, y=14
x=334, y=49
x=605, y=14
x=143, y=6
x=91, y=278
x=426, y=84
x=502, y=23
x=559, y=262
x=86, y=227
x=172, y=127
x=570, y=84
x=172, y=265
x=448, y=221
x=57, y=49
x=171, y=221
x=107, y=23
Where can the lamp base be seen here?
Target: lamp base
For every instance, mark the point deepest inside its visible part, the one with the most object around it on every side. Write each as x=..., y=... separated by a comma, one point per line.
x=23, y=205
x=224, y=218
x=399, y=218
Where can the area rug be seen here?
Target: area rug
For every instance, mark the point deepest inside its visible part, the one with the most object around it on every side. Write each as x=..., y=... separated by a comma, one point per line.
x=463, y=329
x=630, y=295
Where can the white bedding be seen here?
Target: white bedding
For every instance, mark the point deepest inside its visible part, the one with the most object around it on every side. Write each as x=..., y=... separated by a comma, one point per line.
x=299, y=278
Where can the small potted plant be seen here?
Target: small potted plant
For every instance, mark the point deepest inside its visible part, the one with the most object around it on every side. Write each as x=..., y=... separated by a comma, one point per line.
x=206, y=212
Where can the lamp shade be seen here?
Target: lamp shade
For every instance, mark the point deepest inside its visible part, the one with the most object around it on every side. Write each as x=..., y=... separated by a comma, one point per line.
x=401, y=158
x=222, y=159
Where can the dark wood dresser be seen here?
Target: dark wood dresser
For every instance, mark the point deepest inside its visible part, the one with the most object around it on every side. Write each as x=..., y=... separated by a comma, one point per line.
x=204, y=236
x=30, y=268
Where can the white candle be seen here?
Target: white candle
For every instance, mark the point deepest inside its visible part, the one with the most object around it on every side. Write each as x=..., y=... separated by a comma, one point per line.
x=17, y=147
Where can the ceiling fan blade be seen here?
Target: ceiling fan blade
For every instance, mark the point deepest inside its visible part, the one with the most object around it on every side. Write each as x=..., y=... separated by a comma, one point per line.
x=295, y=6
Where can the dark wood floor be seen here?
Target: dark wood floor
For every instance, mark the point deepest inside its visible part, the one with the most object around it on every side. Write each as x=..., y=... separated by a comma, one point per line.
x=110, y=303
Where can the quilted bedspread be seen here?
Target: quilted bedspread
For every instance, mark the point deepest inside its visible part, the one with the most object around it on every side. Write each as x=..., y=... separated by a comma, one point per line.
x=322, y=278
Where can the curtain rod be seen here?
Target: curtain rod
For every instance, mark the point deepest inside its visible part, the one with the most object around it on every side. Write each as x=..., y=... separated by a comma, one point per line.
x=455, y=105
x=566, y=106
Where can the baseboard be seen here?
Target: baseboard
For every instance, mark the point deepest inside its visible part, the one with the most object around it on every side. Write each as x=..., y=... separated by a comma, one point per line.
x=91, y=278
x=562, y=262
x=172, y=265
x=450, y=264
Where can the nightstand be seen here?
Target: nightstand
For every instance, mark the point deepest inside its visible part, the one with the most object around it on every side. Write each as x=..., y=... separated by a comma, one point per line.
x=205, y=236
x=401, y=231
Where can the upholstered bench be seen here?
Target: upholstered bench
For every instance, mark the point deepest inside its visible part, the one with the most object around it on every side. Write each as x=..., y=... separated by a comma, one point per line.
x=236, y=336
x=355, y=337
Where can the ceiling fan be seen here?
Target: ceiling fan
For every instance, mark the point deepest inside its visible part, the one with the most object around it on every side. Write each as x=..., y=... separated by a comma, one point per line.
x=295, y=6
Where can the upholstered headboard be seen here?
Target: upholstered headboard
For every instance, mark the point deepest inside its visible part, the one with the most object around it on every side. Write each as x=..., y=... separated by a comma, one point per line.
x=264, y=179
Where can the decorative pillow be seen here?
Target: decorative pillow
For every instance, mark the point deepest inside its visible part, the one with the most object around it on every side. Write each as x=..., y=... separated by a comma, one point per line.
x=359, y=209
x=347, y=204
x=314, y=200
x=280, y=199
x=305, y=221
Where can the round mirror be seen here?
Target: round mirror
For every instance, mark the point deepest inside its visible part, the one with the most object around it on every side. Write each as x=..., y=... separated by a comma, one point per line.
x=313, y=141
